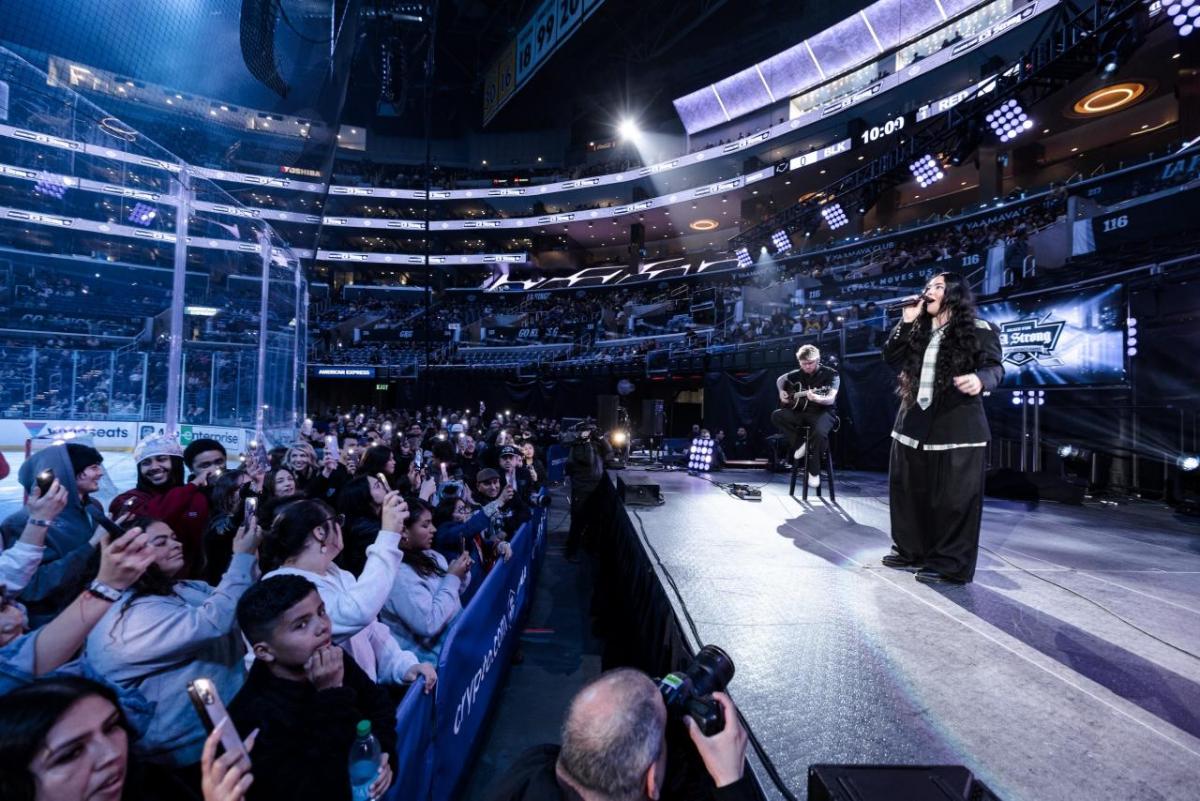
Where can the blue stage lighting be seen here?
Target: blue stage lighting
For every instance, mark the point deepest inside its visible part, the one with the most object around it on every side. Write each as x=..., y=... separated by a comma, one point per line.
x=927, y=170
x=743, y=257
x=1008, y=120
x=781, y=241
x=142, y=214
x=835, y=215
x=1185, y=15
x=700, y=455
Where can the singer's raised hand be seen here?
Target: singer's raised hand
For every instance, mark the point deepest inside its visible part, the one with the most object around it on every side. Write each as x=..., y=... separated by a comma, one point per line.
x=912, y=311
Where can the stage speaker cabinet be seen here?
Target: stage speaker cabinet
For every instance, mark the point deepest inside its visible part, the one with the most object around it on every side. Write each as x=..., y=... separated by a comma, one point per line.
x=652, y=422
x=895, y=783
x=639, y=494
x=606, y=412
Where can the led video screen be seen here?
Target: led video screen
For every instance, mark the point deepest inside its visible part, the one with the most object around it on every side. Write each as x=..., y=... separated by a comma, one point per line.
x=1062, y=340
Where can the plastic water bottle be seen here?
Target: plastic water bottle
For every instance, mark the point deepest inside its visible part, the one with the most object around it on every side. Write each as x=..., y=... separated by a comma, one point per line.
x=364, y=762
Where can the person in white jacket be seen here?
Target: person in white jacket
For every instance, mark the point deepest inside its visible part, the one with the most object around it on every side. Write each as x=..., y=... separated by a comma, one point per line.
x=164, y=632
x=425, y=596
x=304, y=539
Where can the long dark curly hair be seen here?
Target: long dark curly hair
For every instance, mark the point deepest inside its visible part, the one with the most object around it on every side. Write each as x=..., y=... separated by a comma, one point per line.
x=960, y=342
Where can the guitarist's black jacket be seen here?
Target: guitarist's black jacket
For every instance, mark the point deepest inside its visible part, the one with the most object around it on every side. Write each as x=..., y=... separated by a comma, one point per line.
x=823, y=378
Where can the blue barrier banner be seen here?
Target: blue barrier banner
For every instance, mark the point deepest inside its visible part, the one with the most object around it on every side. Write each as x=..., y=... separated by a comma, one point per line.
x=475, y=659
x=556, y=464
x=414, y=745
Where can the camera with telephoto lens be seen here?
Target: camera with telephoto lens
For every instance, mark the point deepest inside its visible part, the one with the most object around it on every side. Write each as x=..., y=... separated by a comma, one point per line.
x=690, y=692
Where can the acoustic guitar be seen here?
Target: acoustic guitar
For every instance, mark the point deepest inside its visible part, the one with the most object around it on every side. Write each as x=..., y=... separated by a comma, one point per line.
x=796, y=399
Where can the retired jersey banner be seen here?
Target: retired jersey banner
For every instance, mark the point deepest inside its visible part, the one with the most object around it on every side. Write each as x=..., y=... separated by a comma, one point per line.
x=1062, y=340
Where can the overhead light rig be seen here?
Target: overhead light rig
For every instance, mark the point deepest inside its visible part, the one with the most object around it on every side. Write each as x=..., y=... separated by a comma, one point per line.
x=1065, y=49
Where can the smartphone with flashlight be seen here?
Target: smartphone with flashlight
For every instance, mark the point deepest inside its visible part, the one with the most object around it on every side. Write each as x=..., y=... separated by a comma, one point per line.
x=212, y=711
x=45, y=480
x=331, y=445
x=250, y=508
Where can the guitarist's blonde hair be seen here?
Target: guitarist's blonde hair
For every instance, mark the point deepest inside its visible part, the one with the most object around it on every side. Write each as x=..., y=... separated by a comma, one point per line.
x=808, y=353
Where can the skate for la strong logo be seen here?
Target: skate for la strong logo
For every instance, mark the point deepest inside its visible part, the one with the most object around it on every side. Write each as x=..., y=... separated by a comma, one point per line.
x=1031, y=340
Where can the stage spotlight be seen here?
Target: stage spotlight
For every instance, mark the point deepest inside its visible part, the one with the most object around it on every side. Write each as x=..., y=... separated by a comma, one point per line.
x=628, y=130
x=142, y=215
x=1008, y=120
x=835, y=215
x=700, y=455
x=619, y=438
x=781, y=241
x=1073, y=453
x=927, y=170
x=1185, y=15
x=743, y=258
x=1188, y=463
x=763, y=250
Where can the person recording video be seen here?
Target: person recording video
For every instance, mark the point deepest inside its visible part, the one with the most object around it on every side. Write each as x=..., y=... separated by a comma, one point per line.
x=585, y=468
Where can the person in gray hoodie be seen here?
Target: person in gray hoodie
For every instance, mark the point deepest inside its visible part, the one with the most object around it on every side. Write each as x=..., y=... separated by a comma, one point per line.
x=166, y=631
x=71, y=538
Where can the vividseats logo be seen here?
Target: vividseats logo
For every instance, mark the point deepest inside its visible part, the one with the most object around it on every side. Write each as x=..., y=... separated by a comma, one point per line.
x=102, y=432
x=1031, y=340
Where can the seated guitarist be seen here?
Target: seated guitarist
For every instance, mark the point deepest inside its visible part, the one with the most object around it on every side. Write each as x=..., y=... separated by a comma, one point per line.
x=807, y=398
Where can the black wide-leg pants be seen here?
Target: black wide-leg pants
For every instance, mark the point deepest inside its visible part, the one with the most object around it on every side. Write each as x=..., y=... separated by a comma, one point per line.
x=936, y=500
x=820, y=422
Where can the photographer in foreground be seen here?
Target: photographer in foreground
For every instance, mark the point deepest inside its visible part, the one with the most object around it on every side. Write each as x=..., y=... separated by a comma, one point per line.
x=585, y=468
x=614, y=748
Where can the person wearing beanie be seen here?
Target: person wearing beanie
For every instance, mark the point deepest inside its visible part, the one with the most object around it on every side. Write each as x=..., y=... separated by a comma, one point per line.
x=71, y=538
x=162, y=494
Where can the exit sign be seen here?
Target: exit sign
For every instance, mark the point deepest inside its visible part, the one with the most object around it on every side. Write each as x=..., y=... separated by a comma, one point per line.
x=381, y=387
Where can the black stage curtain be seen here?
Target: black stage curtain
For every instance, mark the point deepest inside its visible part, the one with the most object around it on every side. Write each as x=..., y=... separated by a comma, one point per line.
x=740, y=399
x=867, y=405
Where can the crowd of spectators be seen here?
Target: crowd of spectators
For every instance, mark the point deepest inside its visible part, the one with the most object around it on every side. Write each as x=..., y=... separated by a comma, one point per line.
x=374, y=528
x=310, y=587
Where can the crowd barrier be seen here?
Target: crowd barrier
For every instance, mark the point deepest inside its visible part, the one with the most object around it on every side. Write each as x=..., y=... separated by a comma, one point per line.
x=438, y=734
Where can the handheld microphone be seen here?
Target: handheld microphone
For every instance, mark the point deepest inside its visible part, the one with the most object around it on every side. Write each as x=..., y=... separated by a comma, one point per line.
x=913, y=301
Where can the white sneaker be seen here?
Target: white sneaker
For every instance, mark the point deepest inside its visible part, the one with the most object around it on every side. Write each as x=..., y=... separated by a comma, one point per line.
x=799, y=454
x=814, y=480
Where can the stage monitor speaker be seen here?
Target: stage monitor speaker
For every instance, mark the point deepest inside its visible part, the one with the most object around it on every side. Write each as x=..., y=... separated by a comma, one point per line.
x=606, y=411
x=639, y=493
x=653, y=416
x=895, y=783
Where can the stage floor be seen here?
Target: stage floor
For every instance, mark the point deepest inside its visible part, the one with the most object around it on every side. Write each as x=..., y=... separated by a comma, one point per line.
x=1060, y=673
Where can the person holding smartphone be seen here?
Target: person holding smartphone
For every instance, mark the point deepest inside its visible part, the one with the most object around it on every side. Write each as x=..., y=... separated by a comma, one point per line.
x=426, y=594
x=20, y=562
x=164, y=631
x=26, y=655
x=162, y=493
x=71, y=539
x=304, y=540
